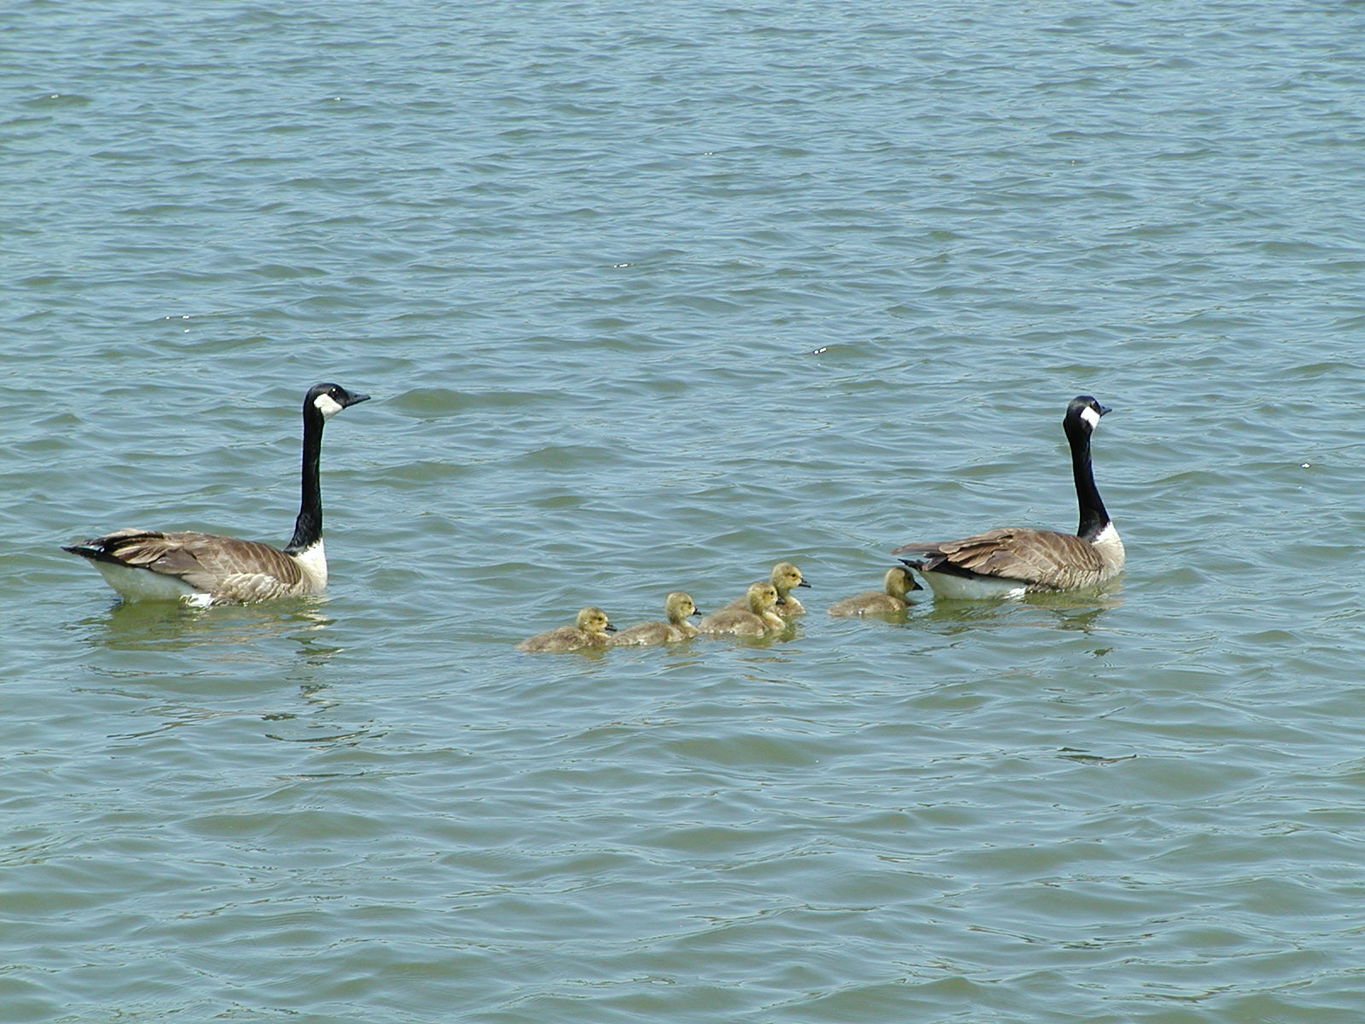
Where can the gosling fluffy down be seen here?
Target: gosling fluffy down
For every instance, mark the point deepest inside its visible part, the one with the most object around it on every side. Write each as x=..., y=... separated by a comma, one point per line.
x=786, y=577
x=758, y=619
x=589, y=630
x=890, y=600
x=678, y=607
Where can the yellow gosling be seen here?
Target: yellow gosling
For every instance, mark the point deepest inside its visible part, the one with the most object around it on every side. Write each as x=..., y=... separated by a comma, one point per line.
x=758, y=619
x=678, y=607
x=590, y=629
x=893, y=598
x=786, y=577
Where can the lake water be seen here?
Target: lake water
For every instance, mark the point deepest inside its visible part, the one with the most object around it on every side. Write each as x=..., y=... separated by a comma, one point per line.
x=649, y=297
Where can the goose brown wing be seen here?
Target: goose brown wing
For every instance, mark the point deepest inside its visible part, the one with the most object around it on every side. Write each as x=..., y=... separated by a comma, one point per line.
x=1040, y=558
x=203, y=560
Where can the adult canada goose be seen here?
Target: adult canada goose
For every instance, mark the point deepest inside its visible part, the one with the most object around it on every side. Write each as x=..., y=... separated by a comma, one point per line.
x=758, y=619
x=785, y=577
x=892, y=598
x=205, y=568
x=1012, y=561
x=590, y=629
x=677, y=608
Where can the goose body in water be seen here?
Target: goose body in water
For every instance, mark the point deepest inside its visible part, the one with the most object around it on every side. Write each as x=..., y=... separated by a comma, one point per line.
x=207, y=568
x=1013, y=561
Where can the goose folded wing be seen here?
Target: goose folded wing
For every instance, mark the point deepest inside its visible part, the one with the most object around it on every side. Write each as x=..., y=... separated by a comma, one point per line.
x=1041, y=558
x=202, y=560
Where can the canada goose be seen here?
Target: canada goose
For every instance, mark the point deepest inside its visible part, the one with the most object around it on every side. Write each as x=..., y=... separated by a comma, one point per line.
x=757, y=619
x=590, y=629
x=1012, y=561
x=785, y=577
x=677, y=607
x=204, y=568
x=892, y=598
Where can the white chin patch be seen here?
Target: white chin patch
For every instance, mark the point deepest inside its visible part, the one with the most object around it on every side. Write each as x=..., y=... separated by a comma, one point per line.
x=327, y=405
x=1091, y=417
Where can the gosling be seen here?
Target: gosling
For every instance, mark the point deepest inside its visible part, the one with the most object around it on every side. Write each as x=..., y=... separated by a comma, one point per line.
x=899, y=582
x=785, y=577
x=758, y=619
x=678, y=607
x=589, y=631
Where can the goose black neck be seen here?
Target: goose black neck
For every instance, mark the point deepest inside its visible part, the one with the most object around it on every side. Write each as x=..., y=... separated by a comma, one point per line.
x=308, y=526
x=1093, y=517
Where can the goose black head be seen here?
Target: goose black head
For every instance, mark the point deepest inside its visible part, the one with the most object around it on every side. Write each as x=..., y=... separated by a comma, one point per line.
x=330, y=399
x=1084, y=412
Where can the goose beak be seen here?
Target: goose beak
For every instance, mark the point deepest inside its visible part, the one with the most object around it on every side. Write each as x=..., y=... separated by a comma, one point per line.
x=355, y=399
x=1105, y=409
